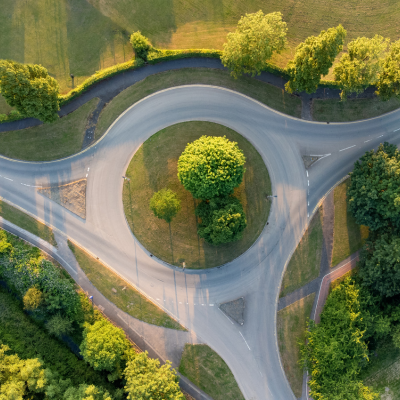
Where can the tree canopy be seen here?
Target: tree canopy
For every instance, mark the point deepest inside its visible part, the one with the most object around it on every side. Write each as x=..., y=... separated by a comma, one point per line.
x=141, y=45
x=30, y=89
x=146, y=379
x=361, y=65
x=86, y=392
x=255, y=40
x=222, y=220
x=103, y=347
x=389, y=79
x=210, y=167
x=374, y=191
x=165, y=204
x=313, y=58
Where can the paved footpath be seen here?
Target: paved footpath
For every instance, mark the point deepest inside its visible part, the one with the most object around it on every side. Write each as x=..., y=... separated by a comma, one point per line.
x=162, y=343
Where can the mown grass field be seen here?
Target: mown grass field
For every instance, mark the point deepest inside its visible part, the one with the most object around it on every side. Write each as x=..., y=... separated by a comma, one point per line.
x=154, y=167
x=82, y=36
x=207, y=370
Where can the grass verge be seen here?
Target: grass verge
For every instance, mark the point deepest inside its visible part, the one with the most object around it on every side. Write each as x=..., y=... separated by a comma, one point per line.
x=207, y=370
x=348, y=236
x=48, y=141
x=305, y=263
x=154, y=166
x=27, y=222
x=263, y=92
x=128, y=299
x=333, y=110
x=291, y=327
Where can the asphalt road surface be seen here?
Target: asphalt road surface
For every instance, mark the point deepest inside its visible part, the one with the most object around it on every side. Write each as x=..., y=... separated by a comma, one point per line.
x=250, y=350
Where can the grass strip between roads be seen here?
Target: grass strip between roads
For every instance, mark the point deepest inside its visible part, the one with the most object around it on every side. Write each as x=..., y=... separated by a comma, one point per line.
x=305, y=263
x=348, y=235
x=270, y=95
x=334, y=110
x=129, y=299
x=207, y=370
x=291, y=328
x=154, y=167
x=27, y=222
x=49, y=141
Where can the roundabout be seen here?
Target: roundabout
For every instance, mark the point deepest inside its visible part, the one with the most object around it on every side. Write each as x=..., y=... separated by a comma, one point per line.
x=192, y=297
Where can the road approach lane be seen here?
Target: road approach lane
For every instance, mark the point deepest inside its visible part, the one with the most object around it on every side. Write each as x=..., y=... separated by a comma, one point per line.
x=250, y=350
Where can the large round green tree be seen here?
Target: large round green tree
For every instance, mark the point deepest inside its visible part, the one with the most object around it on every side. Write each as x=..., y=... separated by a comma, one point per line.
x=210, y=167
x=30, y=89
x=222, y=220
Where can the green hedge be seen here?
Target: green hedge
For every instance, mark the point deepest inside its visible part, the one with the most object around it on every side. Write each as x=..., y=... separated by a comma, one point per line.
x=156, y=55
x=14, y=115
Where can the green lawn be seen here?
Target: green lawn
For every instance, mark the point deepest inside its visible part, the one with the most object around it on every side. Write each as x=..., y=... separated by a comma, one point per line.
x=48, y=141
x=207, y=370
x=82, y=36
x=348, y=236
x=128, y=299
x=263, y=92
x=154, y=166
x=27, y=222
x=291, y=326
x=305, y=263
x=351, y=110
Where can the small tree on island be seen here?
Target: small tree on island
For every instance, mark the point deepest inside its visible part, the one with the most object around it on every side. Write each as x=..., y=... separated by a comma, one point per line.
x=255, y=40
x=211, y=166
x=165, y=204
x=222, y=220
x=30, y=89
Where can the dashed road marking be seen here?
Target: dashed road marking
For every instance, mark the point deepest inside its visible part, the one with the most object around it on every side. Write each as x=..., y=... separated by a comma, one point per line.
x=307, y=173
x=379, y=136
x=308, y=182
x=348, y=147
x=398, y=129
x=8, y=179
x=367, y=140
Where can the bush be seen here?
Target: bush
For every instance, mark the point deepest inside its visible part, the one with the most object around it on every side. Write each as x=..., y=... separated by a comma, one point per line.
x=140, y=44
x=210, y=167
x=222, y=220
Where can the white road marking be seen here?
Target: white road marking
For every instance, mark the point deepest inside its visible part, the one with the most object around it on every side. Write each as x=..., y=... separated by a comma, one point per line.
x=87, y=175
x=244, y=340
x=123, y=319
x=226, y=316
x=308, y=183
x=211, y=305
x=307, y=172
x=25, y=184
x=88, y=169
x=379, y=136
x=367, y=141
x=348, y=147
x=398, y=129
x=308, y=203
x=157, y=298
x=8, y=179
x=37, y=186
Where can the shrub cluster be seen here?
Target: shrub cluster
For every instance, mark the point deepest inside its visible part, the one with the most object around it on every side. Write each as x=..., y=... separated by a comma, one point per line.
x=157, y=55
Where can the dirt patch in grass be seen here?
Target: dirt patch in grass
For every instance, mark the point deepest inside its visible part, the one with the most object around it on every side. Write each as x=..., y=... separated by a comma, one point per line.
x=305, y=263
x=291, y=327
x=119, y=292
x=72, y=196
x=348, y=237
x=48, y=141
x=207, y=370
x=263, y=92
x=333, y=110
x=154, y=166
x=27, y=222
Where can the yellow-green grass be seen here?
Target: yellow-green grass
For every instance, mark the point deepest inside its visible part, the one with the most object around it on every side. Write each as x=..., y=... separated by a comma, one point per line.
x=25, y=221
x=348, y=237
x=263, y=92
x=333, y=110
x=291, y=327
x=49, y=141
x=154, y=166
x=207, y=370
x=82, y=36
x=128, y=299
x=305, y=262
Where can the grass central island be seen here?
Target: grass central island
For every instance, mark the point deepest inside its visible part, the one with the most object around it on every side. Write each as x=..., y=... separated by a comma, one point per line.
x=154, y=167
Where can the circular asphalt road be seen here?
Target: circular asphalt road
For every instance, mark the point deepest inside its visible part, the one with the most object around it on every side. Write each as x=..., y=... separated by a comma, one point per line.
x=192, y=297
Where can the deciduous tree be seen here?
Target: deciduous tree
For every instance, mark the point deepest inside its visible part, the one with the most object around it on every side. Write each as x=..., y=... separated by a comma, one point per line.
x=165, y=204
x=374, y=191
x=30, y=89
x=141, y=45
x=86, y=392
x=389, y=79
x=33, y=298
x=211, y=167
x=361, y=65
x=255, y=40
x=313, y=58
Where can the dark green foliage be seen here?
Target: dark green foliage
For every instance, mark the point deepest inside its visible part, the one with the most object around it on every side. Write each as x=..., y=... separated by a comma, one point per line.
x=30, y=89
x=58, y=325
x=140, y=44
x=165, y=204
x=374, y=192
x=222, y=220
x=210, y=167
x=313, y=58
x=389, y=78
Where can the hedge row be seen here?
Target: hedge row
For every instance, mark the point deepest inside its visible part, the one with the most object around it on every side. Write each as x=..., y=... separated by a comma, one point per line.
x=157, y=55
